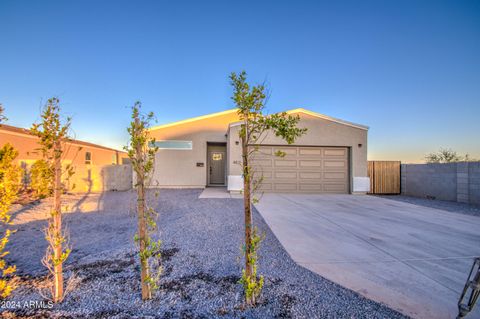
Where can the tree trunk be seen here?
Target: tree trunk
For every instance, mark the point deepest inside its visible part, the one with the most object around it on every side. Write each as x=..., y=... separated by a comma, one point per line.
x=57, y=224
x=142, y=233
x=248, y=207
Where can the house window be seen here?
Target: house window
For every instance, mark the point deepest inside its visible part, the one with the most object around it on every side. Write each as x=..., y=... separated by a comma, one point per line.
x=174, y=145
x=88, y=158
x=114, y=159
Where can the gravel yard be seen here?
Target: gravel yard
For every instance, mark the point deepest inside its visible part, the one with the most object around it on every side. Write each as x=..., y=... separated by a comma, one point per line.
x=453, y=207
x=201, y=249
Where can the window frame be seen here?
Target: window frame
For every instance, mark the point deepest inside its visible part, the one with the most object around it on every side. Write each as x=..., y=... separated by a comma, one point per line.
x=88, y=159
x=174, y=148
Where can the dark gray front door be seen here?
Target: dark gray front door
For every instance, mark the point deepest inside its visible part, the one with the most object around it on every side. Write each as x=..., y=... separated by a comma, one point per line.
x=216, y=160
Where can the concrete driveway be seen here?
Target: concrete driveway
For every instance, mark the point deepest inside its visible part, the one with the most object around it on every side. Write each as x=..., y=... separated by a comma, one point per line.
x=413, y=258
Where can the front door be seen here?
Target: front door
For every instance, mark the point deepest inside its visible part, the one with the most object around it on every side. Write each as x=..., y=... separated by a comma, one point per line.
x=216, y=163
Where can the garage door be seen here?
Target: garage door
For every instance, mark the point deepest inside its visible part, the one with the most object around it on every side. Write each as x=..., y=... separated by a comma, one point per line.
x=303, y=169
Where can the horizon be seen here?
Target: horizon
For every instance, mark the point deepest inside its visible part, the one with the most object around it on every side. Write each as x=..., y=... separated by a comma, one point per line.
x=409, y=71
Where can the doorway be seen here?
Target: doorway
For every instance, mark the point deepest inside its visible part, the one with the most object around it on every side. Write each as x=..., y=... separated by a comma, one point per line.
x=216, y=164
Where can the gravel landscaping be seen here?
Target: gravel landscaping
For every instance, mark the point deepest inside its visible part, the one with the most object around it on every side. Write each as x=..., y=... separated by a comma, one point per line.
x=449, y=206
x=201, y=265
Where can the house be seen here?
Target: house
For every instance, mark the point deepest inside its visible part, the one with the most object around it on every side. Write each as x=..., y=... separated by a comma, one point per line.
x=76, y=152
x=206, y=151
x=92, y=163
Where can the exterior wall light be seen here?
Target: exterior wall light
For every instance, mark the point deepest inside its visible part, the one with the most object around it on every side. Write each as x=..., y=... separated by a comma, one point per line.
x=471, y=291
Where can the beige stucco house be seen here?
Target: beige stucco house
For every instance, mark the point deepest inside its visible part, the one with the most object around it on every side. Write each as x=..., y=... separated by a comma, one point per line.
x=206, y=151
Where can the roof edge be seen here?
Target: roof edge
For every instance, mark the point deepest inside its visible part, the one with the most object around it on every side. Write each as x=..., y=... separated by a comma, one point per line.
x=192, y=119
x=322, y=116
x=329, y=118
x=24, y=131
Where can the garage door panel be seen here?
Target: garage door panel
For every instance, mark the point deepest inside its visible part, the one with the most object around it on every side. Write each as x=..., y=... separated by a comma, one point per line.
x=335, y=152
x=310, y=163
x=310, y=175
x=334, y=164
x=310, y=151
x=265, y=186
x=334, y=187
x=264, y=163
x=285, y=150
x=303, y=169
x=334, y=175
x=286, y=174
x=310, y=187
x=285, y=186
x=285, y=163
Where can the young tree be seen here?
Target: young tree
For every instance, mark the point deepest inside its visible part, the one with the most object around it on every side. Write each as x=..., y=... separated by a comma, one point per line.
x=53, y=133
x=2, y=116
x=9, y=187
x=250, y=102
x=141, y=150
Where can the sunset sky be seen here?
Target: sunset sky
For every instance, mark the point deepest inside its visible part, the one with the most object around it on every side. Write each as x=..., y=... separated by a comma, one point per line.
x=408, y=69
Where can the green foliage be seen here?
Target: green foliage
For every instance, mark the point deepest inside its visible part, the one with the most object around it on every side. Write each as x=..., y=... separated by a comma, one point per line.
x=2, y=116
x=52, y=132
x=447, y=156
x=10, y=184
x=250, y=102
x=140, y=139
x=141, y=151
x=252, y=285
x=41, y=178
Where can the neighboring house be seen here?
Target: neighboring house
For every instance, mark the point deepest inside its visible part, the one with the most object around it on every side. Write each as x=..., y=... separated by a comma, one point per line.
x=90, y=161
x=206, y=151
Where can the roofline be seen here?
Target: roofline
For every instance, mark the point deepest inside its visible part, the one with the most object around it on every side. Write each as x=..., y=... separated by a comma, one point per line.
x=329, y=118
x=193, y=119
x=22, y=131
x=322, y=116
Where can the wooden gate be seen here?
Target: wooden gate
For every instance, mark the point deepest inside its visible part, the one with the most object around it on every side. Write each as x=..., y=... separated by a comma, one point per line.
x=384, y=177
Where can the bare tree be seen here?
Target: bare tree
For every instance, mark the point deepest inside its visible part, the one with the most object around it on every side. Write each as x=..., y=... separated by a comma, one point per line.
x=250, y=102
x=447, y=156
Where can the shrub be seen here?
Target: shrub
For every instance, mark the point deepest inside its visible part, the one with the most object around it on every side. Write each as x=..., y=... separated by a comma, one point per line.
x=41, y=178
x=9, y=187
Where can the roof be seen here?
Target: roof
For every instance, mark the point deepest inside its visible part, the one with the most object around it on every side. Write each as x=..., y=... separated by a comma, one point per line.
x=23, y=131
x=193, y=119
x=293, y=111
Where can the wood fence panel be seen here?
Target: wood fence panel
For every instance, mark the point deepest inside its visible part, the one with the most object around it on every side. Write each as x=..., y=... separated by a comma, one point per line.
x=384, y=177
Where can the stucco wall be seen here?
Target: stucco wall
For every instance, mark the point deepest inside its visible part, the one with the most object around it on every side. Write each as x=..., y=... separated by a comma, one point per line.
x=451, y=181
x=320, y=132
x=178, y=168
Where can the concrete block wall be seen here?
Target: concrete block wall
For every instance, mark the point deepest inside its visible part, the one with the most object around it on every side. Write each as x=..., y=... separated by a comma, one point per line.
x=474, y=183
x=451, y=181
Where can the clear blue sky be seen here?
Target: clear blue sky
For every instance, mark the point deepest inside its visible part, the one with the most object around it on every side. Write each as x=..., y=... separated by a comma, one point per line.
x=408, y=69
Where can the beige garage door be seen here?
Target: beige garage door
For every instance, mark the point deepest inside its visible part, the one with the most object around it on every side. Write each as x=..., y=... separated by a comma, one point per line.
x=303, y=169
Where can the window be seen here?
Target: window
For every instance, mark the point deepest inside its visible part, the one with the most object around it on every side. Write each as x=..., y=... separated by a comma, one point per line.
x=114, y=159
x=174, y=145
x=88, y=158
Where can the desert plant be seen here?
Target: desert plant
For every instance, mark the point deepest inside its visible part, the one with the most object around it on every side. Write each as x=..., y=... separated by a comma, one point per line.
x=141, y=150
x=9, y=187
x=250, y=102
x=42, y=177
x=53, y=133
